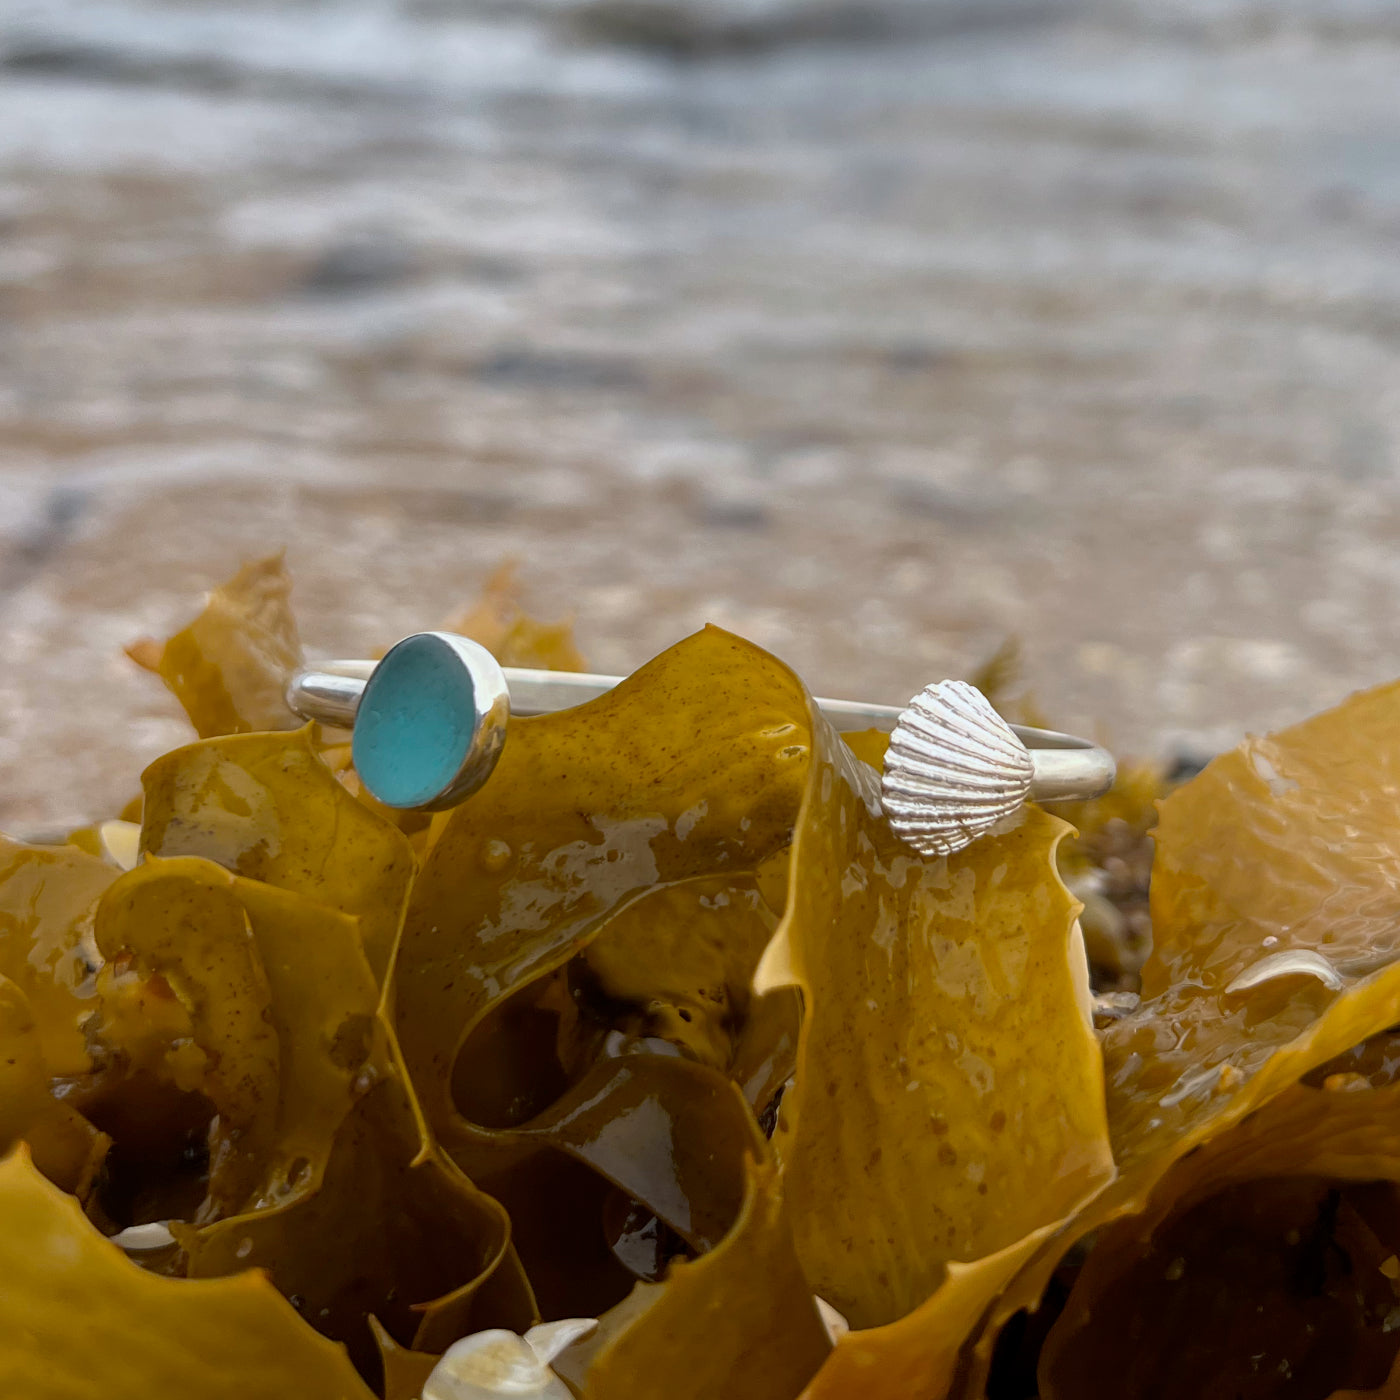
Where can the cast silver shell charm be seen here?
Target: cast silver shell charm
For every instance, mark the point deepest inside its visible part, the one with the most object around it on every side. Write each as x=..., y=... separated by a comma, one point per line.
x=953, y=770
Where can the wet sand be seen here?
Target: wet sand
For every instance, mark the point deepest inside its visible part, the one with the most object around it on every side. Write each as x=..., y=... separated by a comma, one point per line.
x=879, y=342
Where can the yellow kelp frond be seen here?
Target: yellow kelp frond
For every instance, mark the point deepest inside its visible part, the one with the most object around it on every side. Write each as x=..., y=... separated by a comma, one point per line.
x=946, y=1011
x=266, y=807
x=80, y=1319
x=499, y=622
x=230, y=667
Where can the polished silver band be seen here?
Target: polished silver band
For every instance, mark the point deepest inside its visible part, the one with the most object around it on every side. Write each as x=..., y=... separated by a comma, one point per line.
x=953, y=770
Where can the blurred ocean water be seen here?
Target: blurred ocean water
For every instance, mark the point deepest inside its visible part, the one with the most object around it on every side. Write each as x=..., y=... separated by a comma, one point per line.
x=877, y=331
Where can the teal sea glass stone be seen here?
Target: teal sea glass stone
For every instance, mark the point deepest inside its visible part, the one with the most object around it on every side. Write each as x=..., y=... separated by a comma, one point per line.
x=415, y=724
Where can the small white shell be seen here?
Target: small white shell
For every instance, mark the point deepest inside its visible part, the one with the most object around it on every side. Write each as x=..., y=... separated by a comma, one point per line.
x=139, y=1239
x=496, y=1362
x=954, y=769
x=1294, y=962
x=121, y=843
x=834, y=1322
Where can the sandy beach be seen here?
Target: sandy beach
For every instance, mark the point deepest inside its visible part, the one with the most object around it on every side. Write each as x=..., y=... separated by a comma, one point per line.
x=878, y=334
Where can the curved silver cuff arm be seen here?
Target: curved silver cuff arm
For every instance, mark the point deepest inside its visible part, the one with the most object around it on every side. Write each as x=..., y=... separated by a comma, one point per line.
x=1063, y=767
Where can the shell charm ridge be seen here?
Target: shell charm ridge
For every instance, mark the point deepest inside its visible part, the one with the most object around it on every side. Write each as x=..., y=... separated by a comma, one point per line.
x=954, y=769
